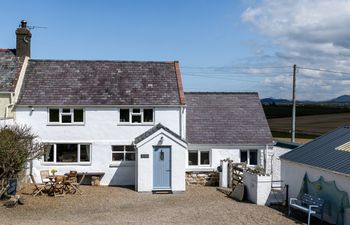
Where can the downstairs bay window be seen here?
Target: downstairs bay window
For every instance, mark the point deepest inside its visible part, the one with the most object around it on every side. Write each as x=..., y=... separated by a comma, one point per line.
x=198, y=158
x=67, y=153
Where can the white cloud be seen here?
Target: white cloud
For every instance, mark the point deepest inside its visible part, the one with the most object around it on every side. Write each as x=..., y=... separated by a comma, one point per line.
x=309, y=33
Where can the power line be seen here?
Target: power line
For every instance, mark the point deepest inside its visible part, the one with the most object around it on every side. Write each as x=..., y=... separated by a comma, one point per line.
x=222, y=78
x=323, y=70
x=233, y=67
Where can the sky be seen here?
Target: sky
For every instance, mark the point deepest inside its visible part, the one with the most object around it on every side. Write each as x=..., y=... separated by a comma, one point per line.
x=241, y=45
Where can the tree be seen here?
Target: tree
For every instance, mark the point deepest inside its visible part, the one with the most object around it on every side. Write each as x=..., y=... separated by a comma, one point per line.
x=18, y=145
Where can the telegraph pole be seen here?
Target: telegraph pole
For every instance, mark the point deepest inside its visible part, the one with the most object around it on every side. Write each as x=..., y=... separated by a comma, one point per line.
x=294, y=104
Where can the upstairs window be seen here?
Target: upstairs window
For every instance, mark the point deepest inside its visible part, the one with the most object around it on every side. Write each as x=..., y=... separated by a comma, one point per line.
x=66, y=116
x=136, y=116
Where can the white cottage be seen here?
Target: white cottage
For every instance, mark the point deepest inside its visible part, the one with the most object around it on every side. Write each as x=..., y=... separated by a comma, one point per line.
x=91, y=112
x=125, y=121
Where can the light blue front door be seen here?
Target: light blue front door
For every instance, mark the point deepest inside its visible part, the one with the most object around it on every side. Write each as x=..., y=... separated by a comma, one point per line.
x=162, y=168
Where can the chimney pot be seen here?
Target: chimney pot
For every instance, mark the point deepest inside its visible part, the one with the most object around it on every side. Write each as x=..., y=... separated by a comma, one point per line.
x=24, y=24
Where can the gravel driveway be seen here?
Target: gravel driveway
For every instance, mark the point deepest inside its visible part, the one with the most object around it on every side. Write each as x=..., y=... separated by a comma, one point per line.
x=115, y=205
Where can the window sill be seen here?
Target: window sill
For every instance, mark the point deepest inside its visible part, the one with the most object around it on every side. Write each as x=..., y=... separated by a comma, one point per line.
x=122, y=164
x=199, y=168
x=135, y=124
x=66, y=164
x=65, y=124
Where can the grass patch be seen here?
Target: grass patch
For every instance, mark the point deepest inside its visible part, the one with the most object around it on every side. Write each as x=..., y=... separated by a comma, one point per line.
x=280, y=111
x=280, y=134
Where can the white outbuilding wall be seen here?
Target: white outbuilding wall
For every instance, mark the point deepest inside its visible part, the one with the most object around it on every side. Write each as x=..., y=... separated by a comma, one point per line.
x=101, y=130
x=293, y=174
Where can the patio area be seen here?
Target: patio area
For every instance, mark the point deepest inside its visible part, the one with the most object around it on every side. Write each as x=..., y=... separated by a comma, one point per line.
x=116, y=205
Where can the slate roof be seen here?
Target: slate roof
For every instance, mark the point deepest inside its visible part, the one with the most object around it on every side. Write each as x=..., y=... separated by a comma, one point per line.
x=226, y=118
x=74, y=82
x=10, y=66
x=321, y=152
x=154, y=129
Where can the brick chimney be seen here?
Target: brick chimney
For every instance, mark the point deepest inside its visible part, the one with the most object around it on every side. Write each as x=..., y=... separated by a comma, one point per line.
x=23, y=37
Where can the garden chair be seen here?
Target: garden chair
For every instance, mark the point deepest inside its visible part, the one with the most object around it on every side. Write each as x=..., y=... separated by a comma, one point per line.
x=59, y=188
x=39, y=188
x=69, y=180
x=44, y=174
x=76, y=185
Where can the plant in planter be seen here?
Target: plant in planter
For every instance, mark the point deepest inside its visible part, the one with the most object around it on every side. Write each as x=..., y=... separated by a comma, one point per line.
x=18, y=145
x=257, y=170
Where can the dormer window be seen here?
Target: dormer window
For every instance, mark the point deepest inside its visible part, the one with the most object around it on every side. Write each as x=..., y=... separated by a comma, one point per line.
x=66, y=116
x=136, y=116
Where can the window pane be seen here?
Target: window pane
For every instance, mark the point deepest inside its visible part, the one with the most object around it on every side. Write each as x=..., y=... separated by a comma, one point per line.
x=84, y=153
x=136, y=119
x=67, y=152
x=129, y=148
x=66, y=118
x=54, y=115
x=117, y=156
x=124, y=115
x=78, y=115
x=193, y=158
x=253, y=157
x=48, y=156
x=244, y=156
x=204, y=158
x=136, y=110
x=66, y=110
x=148, y=115
x=130, y=156
x=118, y=148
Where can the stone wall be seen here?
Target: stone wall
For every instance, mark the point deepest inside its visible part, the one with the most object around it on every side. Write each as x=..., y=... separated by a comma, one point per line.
x=202, y=178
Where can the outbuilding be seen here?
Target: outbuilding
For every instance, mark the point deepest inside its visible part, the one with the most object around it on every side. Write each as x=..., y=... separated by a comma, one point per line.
x=322, y=167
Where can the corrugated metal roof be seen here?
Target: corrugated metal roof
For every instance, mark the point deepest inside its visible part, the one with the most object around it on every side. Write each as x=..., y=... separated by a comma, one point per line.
x=322, y=152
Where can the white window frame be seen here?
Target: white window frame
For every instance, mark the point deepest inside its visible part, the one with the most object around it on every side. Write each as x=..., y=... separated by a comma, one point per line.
x=199, y=158
x=141, y=113
x=68, y=163
x=61, y=113
x=124, y=154
x=248, y=156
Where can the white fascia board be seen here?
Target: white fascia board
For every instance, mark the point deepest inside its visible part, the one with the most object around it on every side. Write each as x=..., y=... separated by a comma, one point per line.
x=165, y=133
x=108, y=106
x=218, y=146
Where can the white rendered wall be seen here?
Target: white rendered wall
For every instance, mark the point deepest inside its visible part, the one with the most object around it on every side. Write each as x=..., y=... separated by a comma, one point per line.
x=274, y=162
x=145, y=165
x=258, y=187
x=293, y=174
x=102, y=130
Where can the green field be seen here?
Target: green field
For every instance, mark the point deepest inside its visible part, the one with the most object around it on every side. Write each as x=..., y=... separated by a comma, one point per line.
x=280, y=111
x=311, y=122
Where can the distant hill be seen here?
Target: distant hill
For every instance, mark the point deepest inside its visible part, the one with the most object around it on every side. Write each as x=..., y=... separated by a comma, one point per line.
x=272, y=101
x=341, y=99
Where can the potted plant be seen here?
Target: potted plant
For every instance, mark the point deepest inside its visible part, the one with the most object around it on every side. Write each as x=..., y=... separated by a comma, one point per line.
x=53, y=171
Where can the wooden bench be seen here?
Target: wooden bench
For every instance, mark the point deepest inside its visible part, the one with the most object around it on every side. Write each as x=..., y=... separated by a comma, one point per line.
x=310, y=204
